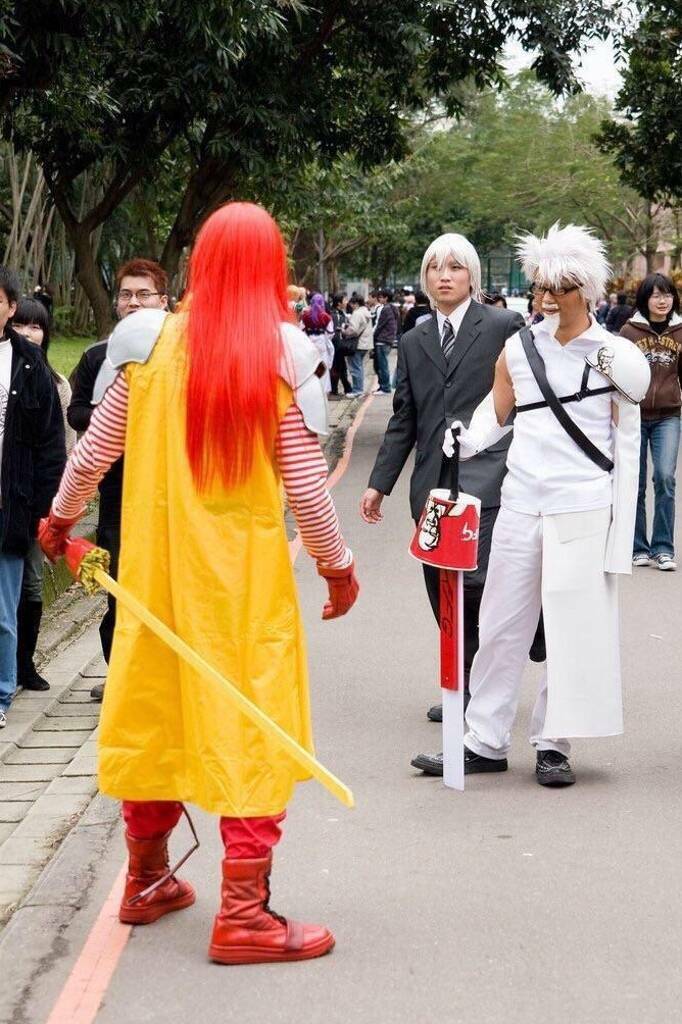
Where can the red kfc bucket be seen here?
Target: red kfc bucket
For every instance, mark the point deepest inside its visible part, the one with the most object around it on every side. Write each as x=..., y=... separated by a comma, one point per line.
x=447, y=533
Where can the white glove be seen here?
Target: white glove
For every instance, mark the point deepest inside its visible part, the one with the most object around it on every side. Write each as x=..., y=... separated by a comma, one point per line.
x=467, y=447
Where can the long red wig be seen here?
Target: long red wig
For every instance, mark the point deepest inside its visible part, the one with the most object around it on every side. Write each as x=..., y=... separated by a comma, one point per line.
x=236, y=301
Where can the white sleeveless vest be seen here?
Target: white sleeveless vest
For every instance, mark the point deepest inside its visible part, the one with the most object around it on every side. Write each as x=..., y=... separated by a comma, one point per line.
x=547, y=473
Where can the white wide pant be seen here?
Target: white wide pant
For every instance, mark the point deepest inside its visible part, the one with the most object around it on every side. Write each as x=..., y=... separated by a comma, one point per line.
x=509, y=615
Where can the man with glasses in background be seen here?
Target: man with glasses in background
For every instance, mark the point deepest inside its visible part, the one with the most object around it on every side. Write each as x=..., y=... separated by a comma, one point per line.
x=140, y=284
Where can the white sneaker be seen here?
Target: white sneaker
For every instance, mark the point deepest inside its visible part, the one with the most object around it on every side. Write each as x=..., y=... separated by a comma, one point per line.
x=3, y=719
x=641, y=560
x=666, y=563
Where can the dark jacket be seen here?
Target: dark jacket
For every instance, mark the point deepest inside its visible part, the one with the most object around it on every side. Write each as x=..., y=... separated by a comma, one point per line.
x=664, y=355
x=386, y=329
x=430, y=393
x=78, y=415
x=413, y=315
x=33, y=451
x=616, y=317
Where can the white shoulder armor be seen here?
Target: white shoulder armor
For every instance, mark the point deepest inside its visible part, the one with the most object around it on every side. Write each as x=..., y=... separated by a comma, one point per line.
x=131, y=341
x=300, y=364
x=621, y=362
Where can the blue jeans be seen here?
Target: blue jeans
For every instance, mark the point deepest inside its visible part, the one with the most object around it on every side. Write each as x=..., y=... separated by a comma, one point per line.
x=381, y=363
x=357, y=371
x=11, y=573
x=664, y=438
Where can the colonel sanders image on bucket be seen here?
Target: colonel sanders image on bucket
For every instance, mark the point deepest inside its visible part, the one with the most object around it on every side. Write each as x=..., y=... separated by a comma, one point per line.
x=447, y=534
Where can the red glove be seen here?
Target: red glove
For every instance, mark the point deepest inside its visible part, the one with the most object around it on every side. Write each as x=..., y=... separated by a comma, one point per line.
x=53, y=533
x=343, y=590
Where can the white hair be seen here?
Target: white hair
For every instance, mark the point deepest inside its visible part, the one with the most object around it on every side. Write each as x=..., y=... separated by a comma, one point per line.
x=572, y=253
x=458, y=248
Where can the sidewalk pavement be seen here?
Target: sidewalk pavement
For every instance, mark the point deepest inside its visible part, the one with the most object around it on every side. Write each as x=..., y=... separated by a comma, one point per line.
x=47, y=766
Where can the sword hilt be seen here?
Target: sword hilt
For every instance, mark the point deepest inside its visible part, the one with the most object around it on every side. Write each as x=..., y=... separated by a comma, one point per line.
x=453, y=467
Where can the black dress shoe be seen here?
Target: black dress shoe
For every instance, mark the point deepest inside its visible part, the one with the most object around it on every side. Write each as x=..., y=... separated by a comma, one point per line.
x=34, y=681
x=475, y=764
x=553, y=769
x=435, y=714
x=430, y=764
x=97, y=692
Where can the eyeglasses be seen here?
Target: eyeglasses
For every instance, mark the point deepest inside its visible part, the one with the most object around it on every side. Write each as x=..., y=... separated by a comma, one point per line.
x=538, y=289
x=144, y=295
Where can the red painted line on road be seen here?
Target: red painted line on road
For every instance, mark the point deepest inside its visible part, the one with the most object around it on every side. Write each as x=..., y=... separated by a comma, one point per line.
x=82, y=995
x=86, y=986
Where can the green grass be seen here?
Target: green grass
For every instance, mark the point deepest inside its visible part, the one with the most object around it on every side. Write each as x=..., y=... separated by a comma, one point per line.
x=66, y=350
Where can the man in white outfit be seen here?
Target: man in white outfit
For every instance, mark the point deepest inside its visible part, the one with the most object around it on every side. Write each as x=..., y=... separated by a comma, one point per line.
x=566, y=522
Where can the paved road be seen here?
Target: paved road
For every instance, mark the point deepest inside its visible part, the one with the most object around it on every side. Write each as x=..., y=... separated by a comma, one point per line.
x=505, y=904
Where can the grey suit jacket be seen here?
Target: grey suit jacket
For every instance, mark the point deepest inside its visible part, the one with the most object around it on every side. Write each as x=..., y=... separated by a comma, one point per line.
x=431, y=393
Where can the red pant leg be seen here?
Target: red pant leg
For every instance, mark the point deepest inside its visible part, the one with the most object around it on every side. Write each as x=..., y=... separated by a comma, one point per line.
x=250, y=838
x=150, y=819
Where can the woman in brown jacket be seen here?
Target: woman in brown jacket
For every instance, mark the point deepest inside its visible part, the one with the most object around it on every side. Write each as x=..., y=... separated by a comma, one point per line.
x=656, y=328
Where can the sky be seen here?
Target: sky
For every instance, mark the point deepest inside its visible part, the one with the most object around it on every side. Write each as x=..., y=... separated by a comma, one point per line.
x=597, y=69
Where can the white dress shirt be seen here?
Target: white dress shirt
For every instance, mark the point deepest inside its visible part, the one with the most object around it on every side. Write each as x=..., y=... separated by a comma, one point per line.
x=455, y=318
x=547, y=473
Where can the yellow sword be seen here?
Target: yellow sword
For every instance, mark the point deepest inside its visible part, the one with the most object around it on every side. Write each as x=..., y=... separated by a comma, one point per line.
x=90, y=571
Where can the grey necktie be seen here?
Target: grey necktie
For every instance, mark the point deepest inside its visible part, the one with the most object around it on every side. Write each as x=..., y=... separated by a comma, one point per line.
x=448, y=339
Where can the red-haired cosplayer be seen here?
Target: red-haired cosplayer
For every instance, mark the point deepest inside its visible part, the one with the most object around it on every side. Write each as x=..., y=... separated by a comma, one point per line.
x=216, y=407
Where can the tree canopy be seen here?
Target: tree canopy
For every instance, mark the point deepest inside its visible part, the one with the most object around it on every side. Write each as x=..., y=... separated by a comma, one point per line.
x=518, y=159
x=231, y=93
x=646, y=138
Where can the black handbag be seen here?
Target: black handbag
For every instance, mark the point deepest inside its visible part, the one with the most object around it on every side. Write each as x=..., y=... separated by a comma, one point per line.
x=348, y=346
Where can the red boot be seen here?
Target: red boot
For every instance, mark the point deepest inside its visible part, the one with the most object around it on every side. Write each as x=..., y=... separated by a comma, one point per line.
x=148, y=863
x=246, y=931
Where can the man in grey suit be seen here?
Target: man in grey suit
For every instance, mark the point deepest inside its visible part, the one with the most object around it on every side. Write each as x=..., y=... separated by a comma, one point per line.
x=446, y=367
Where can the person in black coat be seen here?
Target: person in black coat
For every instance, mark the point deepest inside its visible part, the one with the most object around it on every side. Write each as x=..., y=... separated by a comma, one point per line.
x=420, y=310
x=142, y=284
x=33, y=458
x=386, y=331
x=446, y=367
x=619, y=314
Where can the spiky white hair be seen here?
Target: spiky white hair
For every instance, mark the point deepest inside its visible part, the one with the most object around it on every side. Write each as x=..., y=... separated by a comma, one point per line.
x=459, y=248
x=572, y=253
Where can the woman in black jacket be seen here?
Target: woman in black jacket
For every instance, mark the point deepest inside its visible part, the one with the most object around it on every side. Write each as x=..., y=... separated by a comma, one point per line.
x=33, y=458
x=339, y=370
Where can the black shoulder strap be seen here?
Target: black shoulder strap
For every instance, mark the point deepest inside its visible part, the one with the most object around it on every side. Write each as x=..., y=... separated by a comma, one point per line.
x=537, y=365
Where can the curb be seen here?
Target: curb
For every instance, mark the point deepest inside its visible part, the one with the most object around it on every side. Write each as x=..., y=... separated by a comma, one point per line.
x=41, y=920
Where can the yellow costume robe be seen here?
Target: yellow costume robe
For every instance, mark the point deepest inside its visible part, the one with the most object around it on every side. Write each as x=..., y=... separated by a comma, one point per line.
x=215, y=568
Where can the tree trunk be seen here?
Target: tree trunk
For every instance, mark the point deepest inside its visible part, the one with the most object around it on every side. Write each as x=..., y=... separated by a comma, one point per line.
x=210, y=185
x=651, y=243
x=304, y=258
x=90, y=278
x=332, y=276
x=85, y=242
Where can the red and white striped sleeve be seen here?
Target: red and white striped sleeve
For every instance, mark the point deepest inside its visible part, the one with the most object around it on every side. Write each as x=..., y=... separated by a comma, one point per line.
x=100, y=446
x=304, y=475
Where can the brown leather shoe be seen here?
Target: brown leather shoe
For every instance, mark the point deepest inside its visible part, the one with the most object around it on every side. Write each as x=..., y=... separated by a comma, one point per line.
x=148, y=865
x=246, y=931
